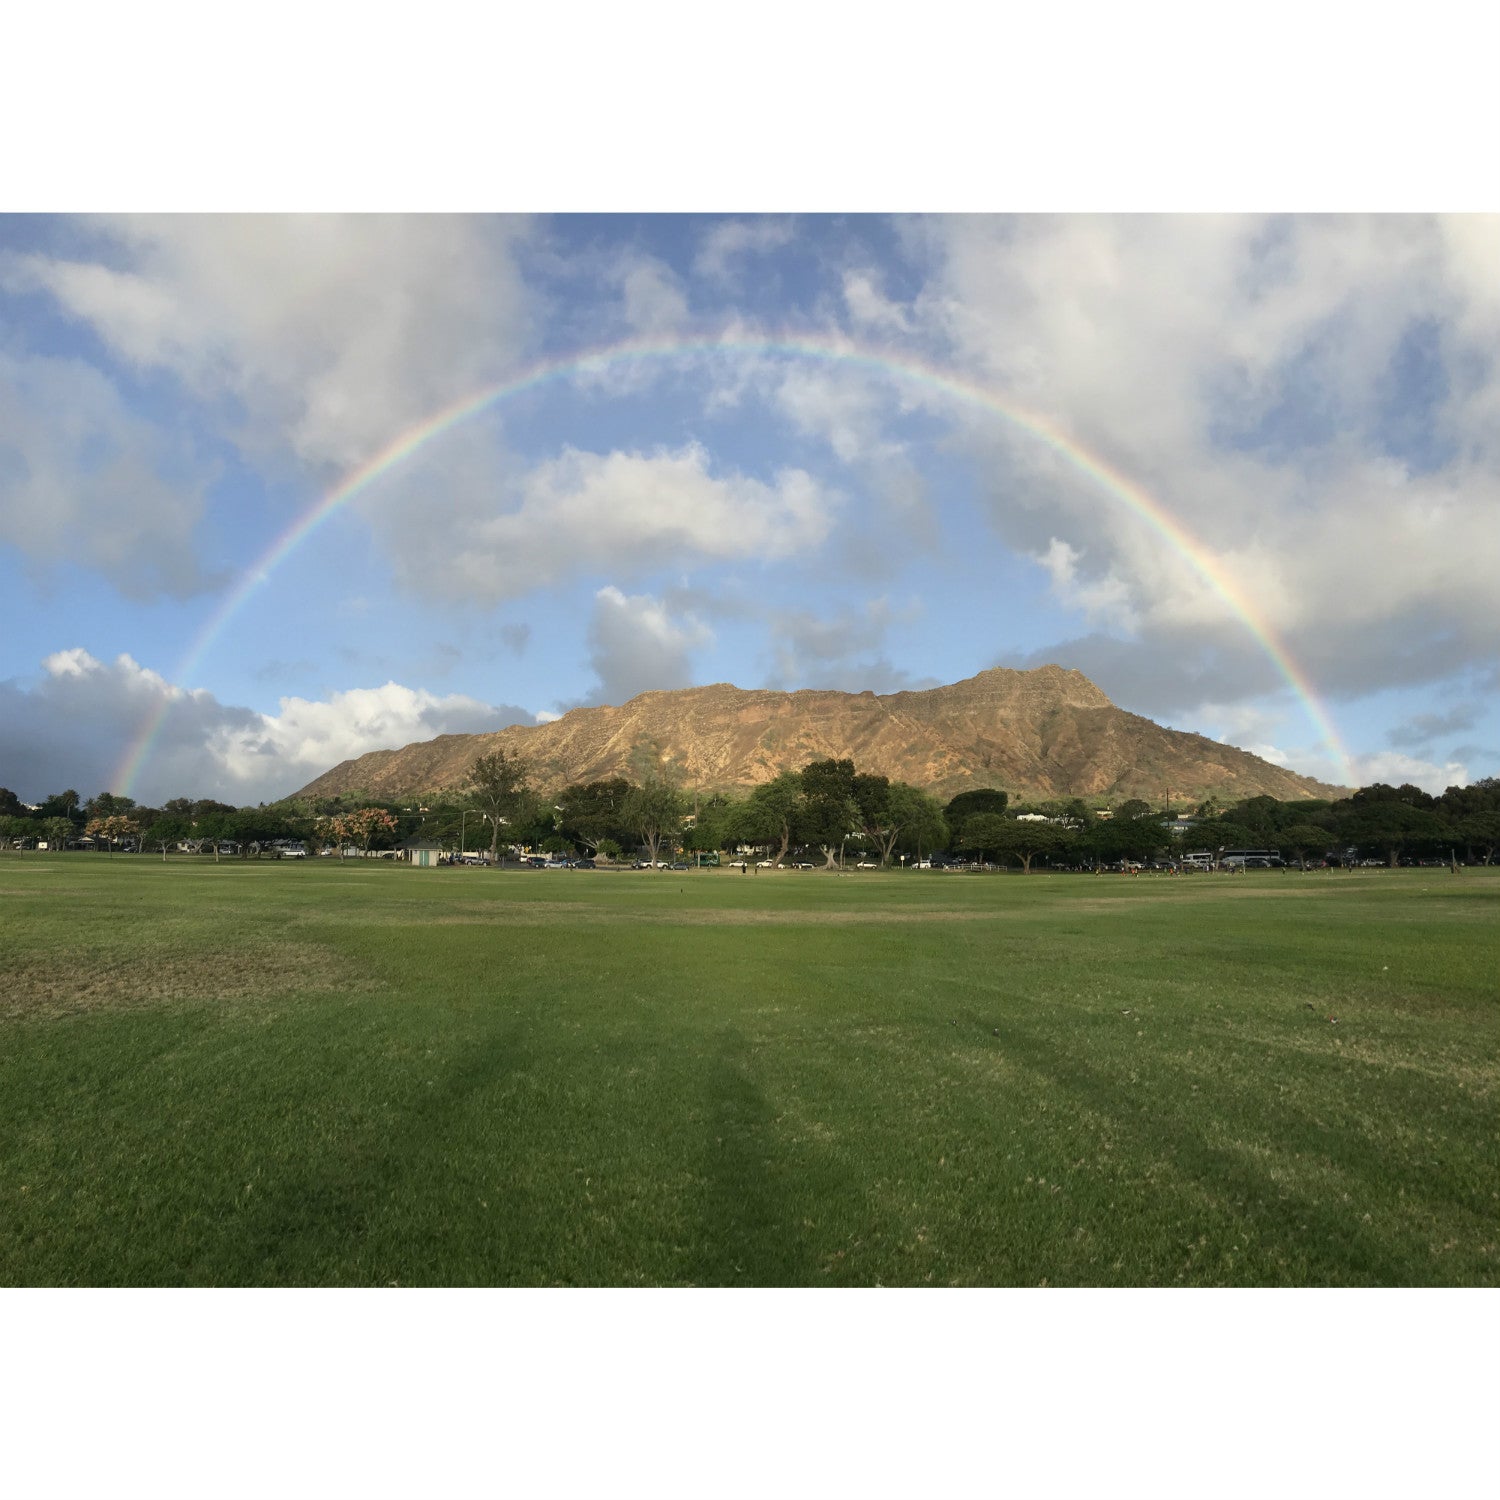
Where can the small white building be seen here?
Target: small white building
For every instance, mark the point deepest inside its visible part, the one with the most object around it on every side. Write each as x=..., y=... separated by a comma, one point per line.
x=422, y=854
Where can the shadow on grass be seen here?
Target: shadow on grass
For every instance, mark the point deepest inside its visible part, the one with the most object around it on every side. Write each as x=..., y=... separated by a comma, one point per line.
x=382, y=1206
x=1288, y=1228
x=751, y=1224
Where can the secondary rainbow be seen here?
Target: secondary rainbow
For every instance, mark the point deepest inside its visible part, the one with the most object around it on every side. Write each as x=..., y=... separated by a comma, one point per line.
x=843, y=352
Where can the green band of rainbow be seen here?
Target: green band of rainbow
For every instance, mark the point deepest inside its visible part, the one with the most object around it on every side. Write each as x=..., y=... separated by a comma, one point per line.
x=884, y=362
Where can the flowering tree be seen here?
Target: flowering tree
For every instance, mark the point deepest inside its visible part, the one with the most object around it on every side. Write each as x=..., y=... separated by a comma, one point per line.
x=361, y=827
x=112, y=829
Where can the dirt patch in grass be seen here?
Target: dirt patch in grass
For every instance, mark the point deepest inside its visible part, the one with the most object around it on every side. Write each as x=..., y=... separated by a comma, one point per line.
x=42, y=986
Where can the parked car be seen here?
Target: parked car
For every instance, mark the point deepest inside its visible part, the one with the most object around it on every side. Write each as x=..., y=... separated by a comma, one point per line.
x=867, y=864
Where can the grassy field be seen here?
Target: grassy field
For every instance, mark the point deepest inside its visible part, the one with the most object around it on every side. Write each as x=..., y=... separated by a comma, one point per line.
x=362, y=1075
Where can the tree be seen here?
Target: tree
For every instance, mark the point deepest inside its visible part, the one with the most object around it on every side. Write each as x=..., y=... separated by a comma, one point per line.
x=1299, y=838
x=1389, y=824
x=57, y=831
x=769, y=814
x=18, y=828
x=499, y=783
x=710, y=827
x=114, y=829
x=364, y=826
x=986, y=833
x=106, y=804
x=983, y=799
x=654, y=811
x=11, y=805
x=925, y=829
x=61, y=805
x=1133, y=808
x=912, y=815
x=872, y=796
x=1478, y=797
x=829, y=809
x=1480, y=830
x=591, y=811
x=166, y=830
x=1378, y=791
x=1011, y=839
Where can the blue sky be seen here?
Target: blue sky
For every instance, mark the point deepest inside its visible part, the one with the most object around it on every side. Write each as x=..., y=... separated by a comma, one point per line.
x=1314, y=399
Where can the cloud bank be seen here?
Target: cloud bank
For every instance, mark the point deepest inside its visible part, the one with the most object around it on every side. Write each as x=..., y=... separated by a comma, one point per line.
x=73, y=725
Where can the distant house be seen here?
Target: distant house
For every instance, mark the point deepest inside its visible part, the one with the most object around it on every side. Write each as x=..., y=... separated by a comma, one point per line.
x=422, y=854
x=1032, y=818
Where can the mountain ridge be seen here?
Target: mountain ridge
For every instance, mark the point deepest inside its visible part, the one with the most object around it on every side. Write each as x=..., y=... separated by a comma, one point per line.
x=1045, y=732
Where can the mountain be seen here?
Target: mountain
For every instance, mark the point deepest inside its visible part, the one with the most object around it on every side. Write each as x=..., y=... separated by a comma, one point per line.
x=1043, y=733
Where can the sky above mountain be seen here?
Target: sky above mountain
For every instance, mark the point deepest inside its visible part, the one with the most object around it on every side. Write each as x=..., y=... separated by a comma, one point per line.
x=278, y=490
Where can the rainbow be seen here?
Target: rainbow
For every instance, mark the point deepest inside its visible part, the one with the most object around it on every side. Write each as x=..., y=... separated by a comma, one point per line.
x=883, y=362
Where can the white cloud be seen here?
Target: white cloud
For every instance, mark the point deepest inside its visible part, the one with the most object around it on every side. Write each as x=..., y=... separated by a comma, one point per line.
x=654, y=298
x=868, y=306
x=730, y=241
x=846, y=409
x=76, y=724
x=845, y=650
x=636, y=645
x=307, y=736
x=1106, y=599
x=326, y=334
x=1315, y=401
x=620, y=513
x=1261, y=731
x=1395, y=769
x=84, y=480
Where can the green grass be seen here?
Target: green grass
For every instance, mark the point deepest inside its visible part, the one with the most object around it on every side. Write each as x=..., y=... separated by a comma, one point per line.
x=362, y=1075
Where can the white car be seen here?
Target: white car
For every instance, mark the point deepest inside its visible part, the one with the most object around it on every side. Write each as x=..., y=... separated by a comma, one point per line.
x=867, y=864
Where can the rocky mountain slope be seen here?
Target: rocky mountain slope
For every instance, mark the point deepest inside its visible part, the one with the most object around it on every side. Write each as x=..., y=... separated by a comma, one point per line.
x=1043, y=733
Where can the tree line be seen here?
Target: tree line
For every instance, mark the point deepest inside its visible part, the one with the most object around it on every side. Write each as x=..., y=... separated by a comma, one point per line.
x=827, y=808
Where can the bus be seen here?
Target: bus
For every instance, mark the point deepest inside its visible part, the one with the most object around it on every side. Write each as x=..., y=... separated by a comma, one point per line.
x=1251, y=859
